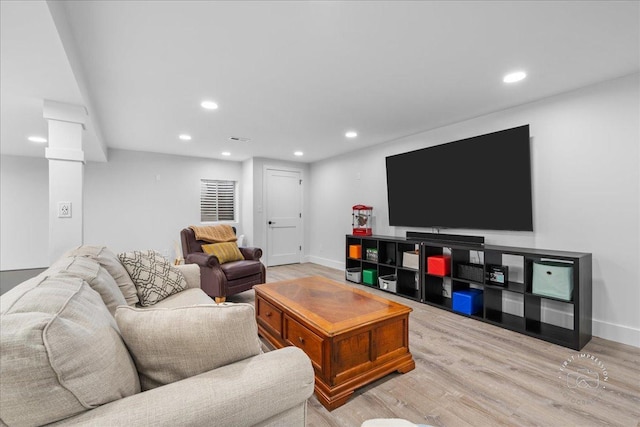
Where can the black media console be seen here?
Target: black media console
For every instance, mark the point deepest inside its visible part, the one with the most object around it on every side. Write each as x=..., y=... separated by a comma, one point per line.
x=513, y=306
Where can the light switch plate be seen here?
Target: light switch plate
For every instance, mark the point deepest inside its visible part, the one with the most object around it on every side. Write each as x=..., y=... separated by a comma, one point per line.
x=64, y=209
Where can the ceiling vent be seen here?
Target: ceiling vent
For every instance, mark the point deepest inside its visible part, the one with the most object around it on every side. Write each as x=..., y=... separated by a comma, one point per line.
x=239, y=139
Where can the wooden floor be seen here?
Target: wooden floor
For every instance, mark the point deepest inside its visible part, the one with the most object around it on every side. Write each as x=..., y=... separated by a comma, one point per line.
x=469, y=373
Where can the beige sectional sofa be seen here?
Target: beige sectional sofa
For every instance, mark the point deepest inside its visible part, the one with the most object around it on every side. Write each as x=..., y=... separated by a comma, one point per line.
x=77, y=348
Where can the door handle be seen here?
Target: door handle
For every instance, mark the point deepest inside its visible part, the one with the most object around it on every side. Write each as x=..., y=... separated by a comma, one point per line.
x=271, y=222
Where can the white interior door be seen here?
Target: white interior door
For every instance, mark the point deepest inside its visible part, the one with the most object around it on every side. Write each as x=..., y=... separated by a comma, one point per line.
x=283, y=192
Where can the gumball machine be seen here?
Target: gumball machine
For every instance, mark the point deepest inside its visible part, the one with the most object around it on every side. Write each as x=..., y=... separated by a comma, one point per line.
x=362, y=220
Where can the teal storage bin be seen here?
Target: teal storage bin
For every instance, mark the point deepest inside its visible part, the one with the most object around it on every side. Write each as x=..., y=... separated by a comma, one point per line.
x=553, y=279
x=369, y=277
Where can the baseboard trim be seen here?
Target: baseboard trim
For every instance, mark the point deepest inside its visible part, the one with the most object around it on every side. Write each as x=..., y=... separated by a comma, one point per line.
x=618, y=333
x=12, y=270
x=326, y=262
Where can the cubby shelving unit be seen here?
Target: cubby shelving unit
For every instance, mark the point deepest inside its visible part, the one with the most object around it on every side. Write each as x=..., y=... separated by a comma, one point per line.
x=513, y=306
x=390, y=253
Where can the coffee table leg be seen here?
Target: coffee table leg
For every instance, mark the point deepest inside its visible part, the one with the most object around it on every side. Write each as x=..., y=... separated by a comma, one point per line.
x=407, y=367
x=332, y=402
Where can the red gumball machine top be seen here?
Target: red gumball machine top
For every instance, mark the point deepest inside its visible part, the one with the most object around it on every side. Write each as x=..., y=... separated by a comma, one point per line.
x=362, y=220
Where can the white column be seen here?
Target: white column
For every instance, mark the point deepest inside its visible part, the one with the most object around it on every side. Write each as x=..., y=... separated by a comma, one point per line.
x=66, y=175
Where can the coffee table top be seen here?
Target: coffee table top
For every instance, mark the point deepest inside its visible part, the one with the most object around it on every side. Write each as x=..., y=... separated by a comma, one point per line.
x=330, y=306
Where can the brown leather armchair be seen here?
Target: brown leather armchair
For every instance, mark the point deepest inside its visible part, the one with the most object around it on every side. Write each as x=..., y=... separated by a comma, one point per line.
x=220, y=280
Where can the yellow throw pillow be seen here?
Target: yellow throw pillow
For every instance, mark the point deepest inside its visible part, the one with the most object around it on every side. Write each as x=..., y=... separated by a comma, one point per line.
x=225, y=252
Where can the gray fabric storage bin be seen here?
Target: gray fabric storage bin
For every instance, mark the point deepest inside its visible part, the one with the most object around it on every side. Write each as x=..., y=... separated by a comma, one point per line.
x=354, y=275
x=553, y=279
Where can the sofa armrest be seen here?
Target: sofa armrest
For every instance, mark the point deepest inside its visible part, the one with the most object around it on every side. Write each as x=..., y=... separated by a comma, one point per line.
x=202, y=259
x=241, y=394
x=251, y=253
x=191, y=273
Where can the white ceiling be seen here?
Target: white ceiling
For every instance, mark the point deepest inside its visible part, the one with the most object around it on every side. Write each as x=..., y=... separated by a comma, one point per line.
x=295, y=75
x=33, y=67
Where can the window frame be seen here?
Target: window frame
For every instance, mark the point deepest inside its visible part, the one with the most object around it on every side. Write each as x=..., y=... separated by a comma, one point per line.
x=211, y=201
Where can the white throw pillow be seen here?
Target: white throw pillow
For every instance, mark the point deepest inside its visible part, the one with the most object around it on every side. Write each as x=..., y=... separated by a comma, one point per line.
x=170, y=344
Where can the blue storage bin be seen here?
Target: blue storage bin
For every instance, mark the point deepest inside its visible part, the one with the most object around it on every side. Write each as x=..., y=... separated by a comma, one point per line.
x=468, y=301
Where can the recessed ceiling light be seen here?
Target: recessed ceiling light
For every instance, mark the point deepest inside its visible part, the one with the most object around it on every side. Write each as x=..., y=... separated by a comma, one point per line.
x=225, y=153
x=38, y=139
x=351, y=134
x=209, y=105
x=514, y=77
x=298, y=153
x=185, y=137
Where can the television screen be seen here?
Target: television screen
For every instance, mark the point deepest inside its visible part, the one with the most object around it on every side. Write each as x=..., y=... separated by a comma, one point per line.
x=482, y=182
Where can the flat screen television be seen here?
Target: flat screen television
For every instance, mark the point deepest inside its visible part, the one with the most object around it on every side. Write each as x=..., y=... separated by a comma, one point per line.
x=482, y=182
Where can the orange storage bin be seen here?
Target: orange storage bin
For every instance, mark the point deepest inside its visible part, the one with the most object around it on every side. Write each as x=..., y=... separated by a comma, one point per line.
x=355, y=251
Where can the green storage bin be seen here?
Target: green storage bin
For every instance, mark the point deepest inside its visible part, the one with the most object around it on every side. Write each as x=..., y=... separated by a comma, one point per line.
x=369, y=277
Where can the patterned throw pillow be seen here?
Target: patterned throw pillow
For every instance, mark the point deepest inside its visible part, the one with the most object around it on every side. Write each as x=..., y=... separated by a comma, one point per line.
x=225, y=252
x=155, y=278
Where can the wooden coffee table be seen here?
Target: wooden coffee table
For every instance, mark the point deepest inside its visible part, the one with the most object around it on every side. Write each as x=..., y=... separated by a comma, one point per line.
x=351, y=336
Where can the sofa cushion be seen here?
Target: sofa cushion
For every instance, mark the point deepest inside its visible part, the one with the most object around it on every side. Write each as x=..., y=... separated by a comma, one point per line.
x=191, y=273
x=225, y=252
x=61, y=352
x=110, y=262
x=240, y=269
x=170, y=344
x=184, y=299
x=154, y=277
x=93, y=273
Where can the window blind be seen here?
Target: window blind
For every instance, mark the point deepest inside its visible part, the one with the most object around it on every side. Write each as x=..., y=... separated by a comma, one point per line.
x=217, y=200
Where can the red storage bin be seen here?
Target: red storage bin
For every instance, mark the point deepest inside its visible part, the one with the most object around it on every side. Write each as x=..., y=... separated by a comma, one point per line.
x=439, y=265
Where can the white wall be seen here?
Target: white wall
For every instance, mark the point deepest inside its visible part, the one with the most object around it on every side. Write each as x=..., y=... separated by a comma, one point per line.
x=247, y=201
x=136, y=200
x=586, y=191
x=142, y=200
x=24, y=213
